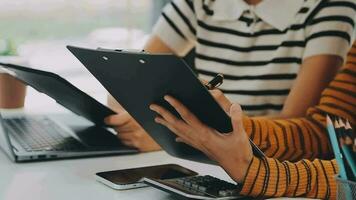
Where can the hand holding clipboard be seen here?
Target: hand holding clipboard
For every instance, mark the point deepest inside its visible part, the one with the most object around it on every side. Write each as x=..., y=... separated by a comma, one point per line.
x=137, y=80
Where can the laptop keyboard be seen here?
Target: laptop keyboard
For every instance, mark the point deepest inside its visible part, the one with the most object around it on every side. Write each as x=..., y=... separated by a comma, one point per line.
x=41, y=134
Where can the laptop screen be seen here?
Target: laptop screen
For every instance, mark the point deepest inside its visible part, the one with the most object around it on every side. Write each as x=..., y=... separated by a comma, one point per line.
x=5, y=140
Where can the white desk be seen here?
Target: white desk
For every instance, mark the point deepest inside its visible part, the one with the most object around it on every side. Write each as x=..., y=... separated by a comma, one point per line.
x=74, y=179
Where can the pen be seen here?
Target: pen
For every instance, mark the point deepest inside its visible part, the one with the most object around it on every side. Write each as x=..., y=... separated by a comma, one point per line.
x=347, y=148
x=348, y=158
x=215, y=82
x=349, y=135
x=342, y=129
x=337, y=128
x=336, y=148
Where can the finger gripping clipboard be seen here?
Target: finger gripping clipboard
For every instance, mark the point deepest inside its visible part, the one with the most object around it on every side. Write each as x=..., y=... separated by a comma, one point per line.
x=137, y=79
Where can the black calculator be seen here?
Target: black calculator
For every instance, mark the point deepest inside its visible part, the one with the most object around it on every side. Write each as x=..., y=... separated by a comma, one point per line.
x=197, y=187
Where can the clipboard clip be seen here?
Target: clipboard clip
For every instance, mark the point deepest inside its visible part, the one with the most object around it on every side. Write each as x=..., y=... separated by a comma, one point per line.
x=124, y=50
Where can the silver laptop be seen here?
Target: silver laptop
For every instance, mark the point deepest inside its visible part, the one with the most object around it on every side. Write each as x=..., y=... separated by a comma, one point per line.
x=42, y=137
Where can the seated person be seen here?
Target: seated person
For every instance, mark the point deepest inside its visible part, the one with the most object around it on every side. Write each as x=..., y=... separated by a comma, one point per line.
x=274, y=54
x=284, y=139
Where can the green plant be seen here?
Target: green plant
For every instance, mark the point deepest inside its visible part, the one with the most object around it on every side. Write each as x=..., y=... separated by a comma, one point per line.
x=7, y=47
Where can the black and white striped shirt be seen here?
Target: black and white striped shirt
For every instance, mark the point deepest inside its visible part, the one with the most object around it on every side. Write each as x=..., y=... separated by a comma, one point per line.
x=260, y=48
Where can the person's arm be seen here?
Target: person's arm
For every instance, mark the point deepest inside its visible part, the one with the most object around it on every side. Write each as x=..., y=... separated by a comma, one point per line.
x=12, y=92
x=260, y=177
x=294, y=139
x=313, y=179
x=329, y=32
x=156, y=45
x=315, y=74
x=298, y=138
x=269, y=177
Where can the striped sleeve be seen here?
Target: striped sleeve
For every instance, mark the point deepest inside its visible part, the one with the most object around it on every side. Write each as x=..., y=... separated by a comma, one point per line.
x=351, y=60
x=292, y=139
x=314, y=179
x=330, y=28
x=299, y=139
x=305, y=138
x=177, y=26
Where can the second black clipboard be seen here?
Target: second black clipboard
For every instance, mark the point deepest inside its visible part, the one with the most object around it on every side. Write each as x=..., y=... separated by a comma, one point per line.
x=137, y=80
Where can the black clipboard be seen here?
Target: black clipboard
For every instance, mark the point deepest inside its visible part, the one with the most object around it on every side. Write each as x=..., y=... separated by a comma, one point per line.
x=138, y=79
x=62, y=91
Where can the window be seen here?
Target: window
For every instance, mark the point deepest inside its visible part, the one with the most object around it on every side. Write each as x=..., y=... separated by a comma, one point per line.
x=25, y=20
x=37, y=31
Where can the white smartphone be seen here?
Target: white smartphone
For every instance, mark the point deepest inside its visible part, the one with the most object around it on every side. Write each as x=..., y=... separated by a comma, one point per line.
x=133, y=178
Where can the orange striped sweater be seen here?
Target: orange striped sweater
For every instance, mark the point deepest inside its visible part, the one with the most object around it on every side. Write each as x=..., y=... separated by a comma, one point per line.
x=297, y=140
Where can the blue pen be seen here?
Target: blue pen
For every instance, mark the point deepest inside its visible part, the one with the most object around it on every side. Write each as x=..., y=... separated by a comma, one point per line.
x=336, y=148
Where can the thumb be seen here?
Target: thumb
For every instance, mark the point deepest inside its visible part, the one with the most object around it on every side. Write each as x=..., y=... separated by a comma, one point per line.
x=236, y=119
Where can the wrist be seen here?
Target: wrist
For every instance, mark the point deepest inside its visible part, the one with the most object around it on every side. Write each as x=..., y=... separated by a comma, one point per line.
x=237, y=168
